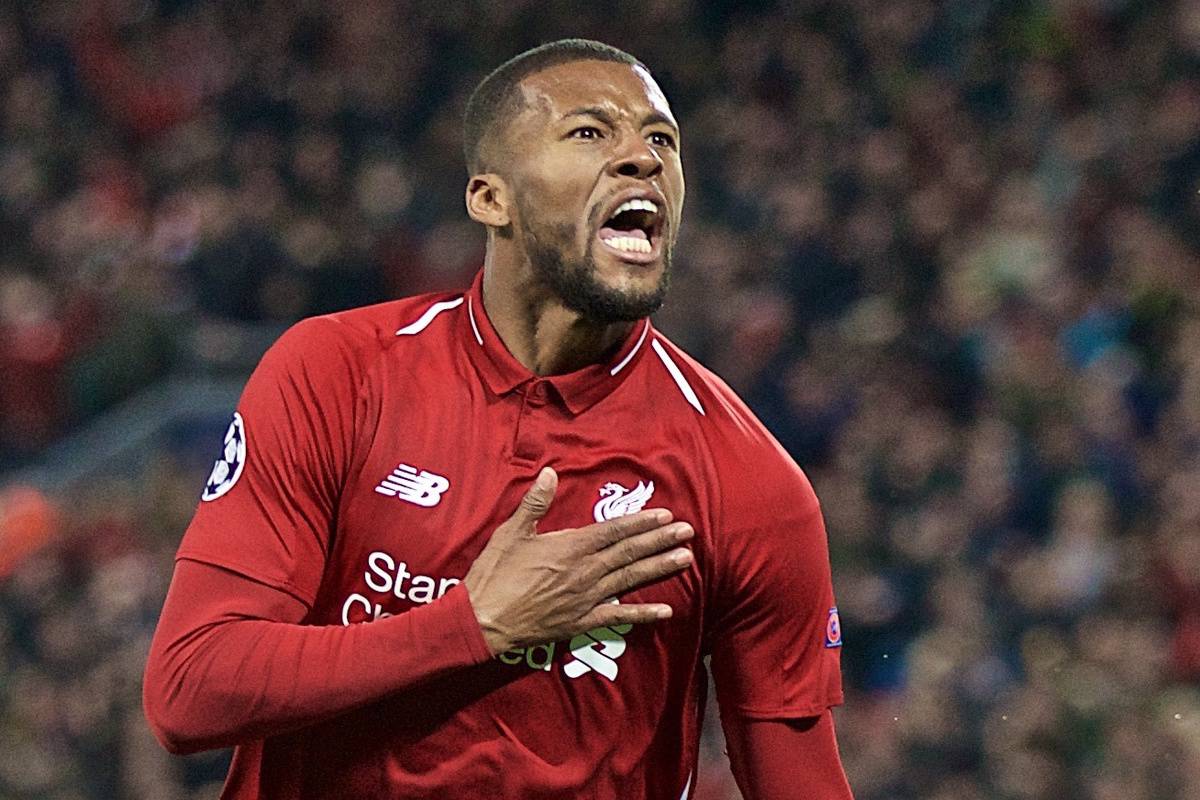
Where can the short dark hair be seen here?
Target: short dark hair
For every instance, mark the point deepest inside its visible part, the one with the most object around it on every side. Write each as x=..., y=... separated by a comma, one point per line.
x=496, y=99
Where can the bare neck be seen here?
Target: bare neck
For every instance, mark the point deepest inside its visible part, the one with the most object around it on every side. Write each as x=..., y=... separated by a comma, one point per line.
x=544, y=335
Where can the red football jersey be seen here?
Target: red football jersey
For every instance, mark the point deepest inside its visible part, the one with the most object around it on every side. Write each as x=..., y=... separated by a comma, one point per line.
x=374, y=452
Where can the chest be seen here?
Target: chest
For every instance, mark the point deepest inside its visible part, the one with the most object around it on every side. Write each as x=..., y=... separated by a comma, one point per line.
x=440, y=473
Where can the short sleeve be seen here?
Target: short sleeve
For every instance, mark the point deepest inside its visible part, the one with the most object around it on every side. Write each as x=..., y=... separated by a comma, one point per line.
x=267, y=508
x=775, y=639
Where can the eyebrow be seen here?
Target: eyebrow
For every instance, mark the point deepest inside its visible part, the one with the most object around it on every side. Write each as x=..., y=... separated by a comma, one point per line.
x=653, y=118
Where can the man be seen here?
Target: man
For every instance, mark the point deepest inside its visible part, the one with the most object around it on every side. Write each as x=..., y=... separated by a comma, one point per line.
x=371, y=476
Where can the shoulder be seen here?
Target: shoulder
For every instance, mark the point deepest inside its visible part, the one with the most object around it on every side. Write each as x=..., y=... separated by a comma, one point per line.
x=355, y=337
x=752, y=467
x=327, y=359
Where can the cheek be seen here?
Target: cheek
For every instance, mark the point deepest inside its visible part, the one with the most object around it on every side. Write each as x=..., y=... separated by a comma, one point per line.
x=566, y=177
x=678, y=188
x=551, y=205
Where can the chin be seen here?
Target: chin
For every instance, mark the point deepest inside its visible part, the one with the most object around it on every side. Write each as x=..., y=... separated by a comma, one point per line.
x=631, y=280
x=600, y=285
x=624, y=294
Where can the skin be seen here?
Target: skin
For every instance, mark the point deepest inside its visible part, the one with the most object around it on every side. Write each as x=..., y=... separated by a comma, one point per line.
x=555, y=173
x=529, y=587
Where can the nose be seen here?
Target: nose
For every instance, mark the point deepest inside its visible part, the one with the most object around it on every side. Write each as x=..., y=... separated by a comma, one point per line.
x=636, y=159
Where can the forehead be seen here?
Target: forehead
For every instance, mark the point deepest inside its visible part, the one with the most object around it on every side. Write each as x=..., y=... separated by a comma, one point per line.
x=618, y=88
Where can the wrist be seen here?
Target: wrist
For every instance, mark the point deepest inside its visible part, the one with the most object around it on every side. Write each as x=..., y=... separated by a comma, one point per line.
x=467, y=622
x=497, y=643
x=491, y=633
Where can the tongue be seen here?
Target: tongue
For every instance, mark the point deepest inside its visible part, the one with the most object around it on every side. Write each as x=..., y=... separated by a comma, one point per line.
x=612, y=233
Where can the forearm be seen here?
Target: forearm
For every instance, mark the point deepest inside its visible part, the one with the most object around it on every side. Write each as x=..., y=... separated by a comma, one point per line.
x=230, y=662
x=782, y=759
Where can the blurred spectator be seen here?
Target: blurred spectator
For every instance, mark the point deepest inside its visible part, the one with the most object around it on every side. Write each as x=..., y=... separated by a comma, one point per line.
x=948, y=251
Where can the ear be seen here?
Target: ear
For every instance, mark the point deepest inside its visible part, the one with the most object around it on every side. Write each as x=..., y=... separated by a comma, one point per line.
x=488, y=200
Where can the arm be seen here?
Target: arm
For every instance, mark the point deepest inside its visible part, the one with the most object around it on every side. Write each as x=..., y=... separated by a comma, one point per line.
x=786, y=758
x=231, y=663
x=775, y=639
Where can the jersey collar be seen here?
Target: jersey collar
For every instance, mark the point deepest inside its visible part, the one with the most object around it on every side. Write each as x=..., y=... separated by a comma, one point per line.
x=502, y=373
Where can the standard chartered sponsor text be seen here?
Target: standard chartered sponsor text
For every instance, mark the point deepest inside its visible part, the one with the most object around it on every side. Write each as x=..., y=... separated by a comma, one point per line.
x=385, y=575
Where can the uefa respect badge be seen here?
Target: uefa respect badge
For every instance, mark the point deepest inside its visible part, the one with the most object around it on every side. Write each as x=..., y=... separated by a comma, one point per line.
x=833, y=629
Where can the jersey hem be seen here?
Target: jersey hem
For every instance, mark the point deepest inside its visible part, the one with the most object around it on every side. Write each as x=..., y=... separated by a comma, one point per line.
x=789, y=712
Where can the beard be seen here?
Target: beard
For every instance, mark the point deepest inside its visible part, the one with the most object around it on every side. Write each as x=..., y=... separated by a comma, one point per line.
x=575, y=281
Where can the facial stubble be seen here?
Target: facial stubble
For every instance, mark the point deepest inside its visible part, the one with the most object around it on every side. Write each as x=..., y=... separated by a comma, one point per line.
x=576, y=280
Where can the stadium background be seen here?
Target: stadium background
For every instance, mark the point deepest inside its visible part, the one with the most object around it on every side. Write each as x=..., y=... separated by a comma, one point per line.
x=946, y=250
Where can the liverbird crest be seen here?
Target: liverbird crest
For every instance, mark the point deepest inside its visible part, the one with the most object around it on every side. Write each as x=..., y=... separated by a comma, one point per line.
x=617, y=501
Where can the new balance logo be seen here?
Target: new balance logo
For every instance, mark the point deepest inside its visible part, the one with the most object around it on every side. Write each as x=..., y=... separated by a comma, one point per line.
x=419, y=488
x=617, y=501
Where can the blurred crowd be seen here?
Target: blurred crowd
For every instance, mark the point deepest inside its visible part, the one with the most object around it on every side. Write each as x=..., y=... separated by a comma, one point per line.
x=948, y=251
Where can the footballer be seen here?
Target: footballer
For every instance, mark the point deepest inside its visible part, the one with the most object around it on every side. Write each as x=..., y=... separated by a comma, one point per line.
x=480, y=543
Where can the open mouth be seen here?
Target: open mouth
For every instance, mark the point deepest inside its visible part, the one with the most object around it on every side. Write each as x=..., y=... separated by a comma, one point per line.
x=634, y=230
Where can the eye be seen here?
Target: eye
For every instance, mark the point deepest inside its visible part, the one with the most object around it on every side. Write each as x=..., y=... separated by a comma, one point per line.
x=586, y=132
x=660, y=139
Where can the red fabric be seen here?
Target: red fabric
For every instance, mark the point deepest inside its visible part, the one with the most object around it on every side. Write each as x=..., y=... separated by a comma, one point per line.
x=230, y=662
x=378, y=463
x=769, y=653
x=783, y=759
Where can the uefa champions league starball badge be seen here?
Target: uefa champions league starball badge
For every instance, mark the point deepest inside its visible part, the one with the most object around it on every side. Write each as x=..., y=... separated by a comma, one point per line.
x=228, y=467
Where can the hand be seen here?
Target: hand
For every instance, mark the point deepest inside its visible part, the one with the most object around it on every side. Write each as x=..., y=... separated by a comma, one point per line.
x=531, y=588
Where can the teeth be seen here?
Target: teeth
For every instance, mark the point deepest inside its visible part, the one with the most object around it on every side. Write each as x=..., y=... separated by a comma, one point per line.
x=629, y=244
x=636, y=204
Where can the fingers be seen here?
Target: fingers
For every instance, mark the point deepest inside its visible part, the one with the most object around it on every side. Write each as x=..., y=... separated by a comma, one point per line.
x=537, y=500
x=610, y=614
x=639, y=546
x=644, y=571
x=606, y=534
